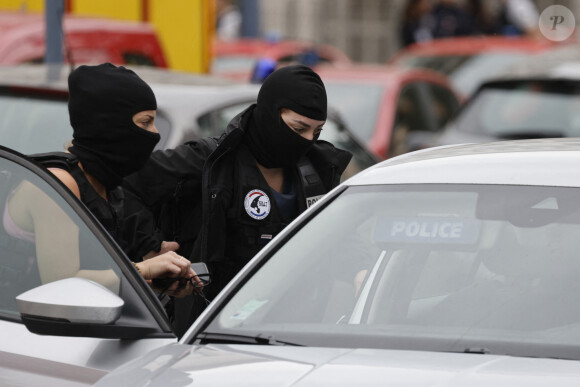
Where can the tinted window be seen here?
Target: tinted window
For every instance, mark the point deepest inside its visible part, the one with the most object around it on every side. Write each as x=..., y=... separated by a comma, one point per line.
x=524, y=110
x=358, y=105
x=43, y=239
x=411, y=117
x=34, y=125
x=215, y=122
x=443, y=104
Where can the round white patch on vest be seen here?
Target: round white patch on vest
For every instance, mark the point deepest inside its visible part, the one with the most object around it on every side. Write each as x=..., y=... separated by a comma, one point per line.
x=257, y=204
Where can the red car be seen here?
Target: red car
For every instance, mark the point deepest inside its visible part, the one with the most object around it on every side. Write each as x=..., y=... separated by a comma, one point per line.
x=86, y=40
x=470, y=60
x=236, y=59
x=391, y=109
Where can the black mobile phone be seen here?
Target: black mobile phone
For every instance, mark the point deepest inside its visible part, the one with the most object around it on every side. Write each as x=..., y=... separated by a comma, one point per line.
x=200, y=268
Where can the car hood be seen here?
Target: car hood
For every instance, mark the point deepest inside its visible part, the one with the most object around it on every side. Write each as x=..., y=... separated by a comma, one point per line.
x=254, y=365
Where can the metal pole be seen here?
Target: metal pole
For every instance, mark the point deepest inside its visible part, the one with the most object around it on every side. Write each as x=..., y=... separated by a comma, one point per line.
x=250, y=10
x=54, y=10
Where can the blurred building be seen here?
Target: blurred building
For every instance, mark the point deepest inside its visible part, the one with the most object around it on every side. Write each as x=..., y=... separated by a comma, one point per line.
x=367, y=30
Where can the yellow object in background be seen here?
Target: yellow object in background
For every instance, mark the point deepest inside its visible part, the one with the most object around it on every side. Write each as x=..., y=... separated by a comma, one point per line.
x=185, y=27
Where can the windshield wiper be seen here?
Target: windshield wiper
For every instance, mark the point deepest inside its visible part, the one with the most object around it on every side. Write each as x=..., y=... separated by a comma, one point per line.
x=227, y=338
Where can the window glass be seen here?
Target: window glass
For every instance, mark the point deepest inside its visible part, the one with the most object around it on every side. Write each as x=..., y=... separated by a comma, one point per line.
x=527, y=109
x=43, y=240
x=137, y=59
x=410, y=117
x=215, y=122
x=446, y=267
x=358, y=105
x=443, y=103
x=34, y=125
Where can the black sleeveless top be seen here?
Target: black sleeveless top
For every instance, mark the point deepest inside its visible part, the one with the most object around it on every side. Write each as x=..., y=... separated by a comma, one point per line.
x=108, y=212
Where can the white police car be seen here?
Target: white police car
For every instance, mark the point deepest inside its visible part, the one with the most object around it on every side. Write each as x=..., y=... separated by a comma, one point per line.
x=453, y=266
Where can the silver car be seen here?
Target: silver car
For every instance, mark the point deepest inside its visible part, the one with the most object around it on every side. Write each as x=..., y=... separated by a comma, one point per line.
x=450, y=266
x=60, y=329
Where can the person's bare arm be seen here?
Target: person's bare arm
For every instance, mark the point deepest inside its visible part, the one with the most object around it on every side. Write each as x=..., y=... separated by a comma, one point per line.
x=56, y=237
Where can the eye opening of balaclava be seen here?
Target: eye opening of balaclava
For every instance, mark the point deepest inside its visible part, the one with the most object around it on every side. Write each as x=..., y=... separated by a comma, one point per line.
x=271, y=141
x=102, y=102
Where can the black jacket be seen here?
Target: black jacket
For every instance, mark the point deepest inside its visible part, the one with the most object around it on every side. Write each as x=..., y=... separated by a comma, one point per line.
x=189, y=190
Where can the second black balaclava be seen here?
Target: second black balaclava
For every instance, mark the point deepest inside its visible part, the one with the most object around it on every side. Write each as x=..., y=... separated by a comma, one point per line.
x=270, y=140
x=103, y=100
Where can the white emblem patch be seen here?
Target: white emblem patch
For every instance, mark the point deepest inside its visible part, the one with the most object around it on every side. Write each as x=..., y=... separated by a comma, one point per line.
x=257, y=204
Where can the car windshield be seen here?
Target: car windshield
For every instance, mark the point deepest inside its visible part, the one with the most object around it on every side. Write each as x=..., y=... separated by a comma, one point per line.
x=358, y=104
x=519, y=110
x=34, y=125
x=459, y=268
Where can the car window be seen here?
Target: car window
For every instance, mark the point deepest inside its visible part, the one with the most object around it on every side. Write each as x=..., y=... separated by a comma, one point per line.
x=358, y=104
x=215, y=122
x=443, y=103
x=28, y=258
x=410, y=117
x=448, y=268
x=44, y=238
x=34, y=125
x=528, y=109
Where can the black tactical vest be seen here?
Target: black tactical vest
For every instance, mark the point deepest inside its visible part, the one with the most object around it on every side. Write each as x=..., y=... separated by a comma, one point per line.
x=253, y=216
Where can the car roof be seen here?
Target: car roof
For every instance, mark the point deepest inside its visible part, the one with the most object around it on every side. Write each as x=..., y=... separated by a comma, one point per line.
x=274, y=49
x=475, y=44
x=548, y=162
x=45, y=76
x=377, y=73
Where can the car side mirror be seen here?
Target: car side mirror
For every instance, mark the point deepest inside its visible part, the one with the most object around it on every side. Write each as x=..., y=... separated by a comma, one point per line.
x=70, y=307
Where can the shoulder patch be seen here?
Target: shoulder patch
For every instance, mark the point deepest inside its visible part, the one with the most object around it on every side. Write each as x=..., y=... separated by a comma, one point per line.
x=257, y=204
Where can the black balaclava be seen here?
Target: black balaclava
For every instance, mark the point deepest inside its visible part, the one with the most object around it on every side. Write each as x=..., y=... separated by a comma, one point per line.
x=103, y=100
x=273, y=143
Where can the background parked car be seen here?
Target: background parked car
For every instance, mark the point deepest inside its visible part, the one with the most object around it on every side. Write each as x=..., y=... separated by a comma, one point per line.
x=528, y=100
x=86, y=40
x=468, y=61
x=471, y=278
x=391, y=109
x=38, y=345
